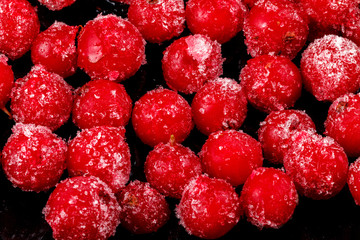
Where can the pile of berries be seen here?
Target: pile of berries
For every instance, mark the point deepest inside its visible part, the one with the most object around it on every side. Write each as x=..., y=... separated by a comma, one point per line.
x=139, y=114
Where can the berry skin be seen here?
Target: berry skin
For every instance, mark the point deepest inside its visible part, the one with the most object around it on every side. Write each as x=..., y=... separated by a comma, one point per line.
x=41, y=98
x=144, y=210
x=101, y=152
x=330, y=67
x=353, y=180
x=55, y=5
x=33, y=158
x=269, y=198
x=101, y=103
x=231, y=155
x=6, y=80
x=342, y=123
x=209, y=207
x=158, y=20
x=169, y=167
x=221, y=20
x=271, y=83
x=276, y=130
x=18, y=27
x=82, y=208
x=55, y=49
x=276, y=28
x=191, y=61
x=219, y=105
x=111, y=48
x=159, y=114
x=317, y=165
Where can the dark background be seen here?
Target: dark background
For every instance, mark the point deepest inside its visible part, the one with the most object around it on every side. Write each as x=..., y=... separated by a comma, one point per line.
x=21, y=212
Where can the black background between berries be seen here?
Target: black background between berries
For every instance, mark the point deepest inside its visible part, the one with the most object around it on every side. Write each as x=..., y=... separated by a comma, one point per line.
x=20, y=212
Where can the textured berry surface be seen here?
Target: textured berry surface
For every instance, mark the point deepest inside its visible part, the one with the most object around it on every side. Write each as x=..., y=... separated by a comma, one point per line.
x=159, y=114
x=353, y=181
x=317, y=165
x=33, y=158
x=41, y=98
x=101, y=152
x=231, y=155
x=55, y=5
x=209, y=207
x=276, y=130
x=269, y=198
x=144, y=209
x=169, y=167
x=110, y=47
x=55, y=49
x=219, y=105
x=101, y=103
x=191, y=61
x=82, y=208
x=6, y=80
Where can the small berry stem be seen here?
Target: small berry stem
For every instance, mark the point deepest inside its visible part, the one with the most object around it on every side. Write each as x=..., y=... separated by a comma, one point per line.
x=172, y=140
x=7, y=112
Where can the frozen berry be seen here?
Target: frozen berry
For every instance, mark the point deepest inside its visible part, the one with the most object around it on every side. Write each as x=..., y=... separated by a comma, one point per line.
x=55, y=5
x=275, y=27
x=41, y=98
x=353, y=180
x=269, y=198
x=158, y=20
x=276, y=130
x=55, y=49
x=101, y=102
x=343, y=123
x=191, y=61
x=110, y=47
x=82, y=208
x=317, y=165
x=169, y=167
x=209, y=207
x=271, y=83
x=6, y=80
x=33, y=158
x=351, y=27
x=219, y=105
x=101, y=152
x=19, y=25
x=159, y=114
x=221, y=20
x=231, y=155
x=144, y=210
x=331, y=67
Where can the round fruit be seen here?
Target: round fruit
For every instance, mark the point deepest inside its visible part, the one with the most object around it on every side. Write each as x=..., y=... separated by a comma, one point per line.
x=6, y=80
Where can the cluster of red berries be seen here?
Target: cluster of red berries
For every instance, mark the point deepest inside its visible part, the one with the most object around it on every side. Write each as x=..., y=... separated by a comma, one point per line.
x=97, y=196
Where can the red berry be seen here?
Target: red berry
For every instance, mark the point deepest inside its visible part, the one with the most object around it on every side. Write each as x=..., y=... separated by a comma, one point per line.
x=191, y=61
x=276, y=131
x=331, y=67
x=6, y=80
x=317, y=165
x=351, y=27
x=101, y=152
x=209, y=207
x=110, y=47
x=144, y=210
x=41, y=98
x=221, y=20
x=55, y=5
x=82, y=208
x=343, y=121
x=231, y=155
x=55, y=49
x=169, y=167
x=275, y=27
x=269, y=198
x=159, y=114
x=158, y=20
x=353, y=180
x=219, y=105
x=101, y=102
x=19, y=25
x=271, y=83
x=33, y=158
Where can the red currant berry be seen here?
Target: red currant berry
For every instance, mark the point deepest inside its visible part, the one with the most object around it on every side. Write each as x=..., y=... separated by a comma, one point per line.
x=55, y=5
x=6, y=80
x=353, y=180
